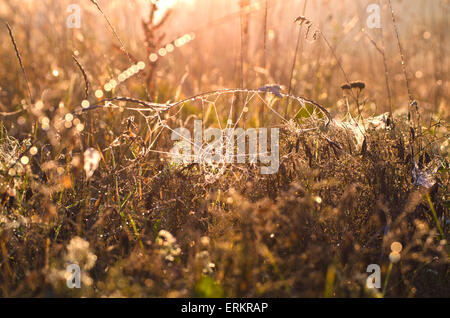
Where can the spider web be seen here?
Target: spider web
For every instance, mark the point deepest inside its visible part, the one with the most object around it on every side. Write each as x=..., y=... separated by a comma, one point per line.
x=222, y=109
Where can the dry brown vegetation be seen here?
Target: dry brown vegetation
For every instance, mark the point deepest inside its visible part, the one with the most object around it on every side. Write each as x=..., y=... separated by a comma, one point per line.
x=348, y=190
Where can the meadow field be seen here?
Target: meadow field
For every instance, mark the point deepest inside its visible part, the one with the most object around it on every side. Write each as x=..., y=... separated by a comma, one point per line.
x=353, y=200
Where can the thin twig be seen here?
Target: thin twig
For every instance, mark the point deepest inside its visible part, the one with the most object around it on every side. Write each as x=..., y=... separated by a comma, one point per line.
x=412, y=102
x=86, y=81
x=381, y=50
x=264, y=63
x=20, y=61
x=122, y=45
x=386, y=69
x=402, y=54
x=294, y=62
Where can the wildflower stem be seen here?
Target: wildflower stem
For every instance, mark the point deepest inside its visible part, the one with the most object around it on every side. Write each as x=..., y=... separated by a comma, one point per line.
x=387, y=279
x=294, y=62
x=436, y=219
x=11, y=35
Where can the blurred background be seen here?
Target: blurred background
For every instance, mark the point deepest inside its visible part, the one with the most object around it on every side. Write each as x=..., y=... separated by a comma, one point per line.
x=95, y=184
x=227, y=43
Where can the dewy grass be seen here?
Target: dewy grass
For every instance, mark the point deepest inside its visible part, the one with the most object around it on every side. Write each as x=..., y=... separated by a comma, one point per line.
x=86, y=173
x=386, y=281
x=83, y=72
x=19, y=58
x=435, y=217
x=294, y=62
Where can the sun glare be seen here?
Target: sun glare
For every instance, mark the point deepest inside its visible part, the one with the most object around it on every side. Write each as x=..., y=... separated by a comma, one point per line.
x=165, y=5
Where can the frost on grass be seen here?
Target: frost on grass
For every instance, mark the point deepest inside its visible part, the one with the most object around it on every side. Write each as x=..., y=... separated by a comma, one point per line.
x=91, y=160
x=77, y=252
x=424, y=178
x=10, y=151
x=274, y=89
x=168, y=246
